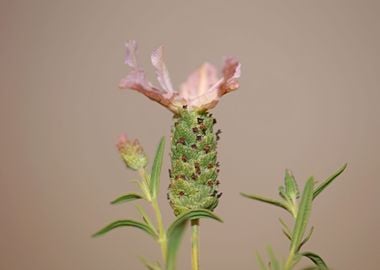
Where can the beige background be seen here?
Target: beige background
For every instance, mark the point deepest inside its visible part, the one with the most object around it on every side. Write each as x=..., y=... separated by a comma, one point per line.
x=308, y=101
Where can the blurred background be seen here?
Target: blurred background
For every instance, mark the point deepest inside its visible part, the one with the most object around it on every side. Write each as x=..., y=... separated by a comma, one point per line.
x=308, y=101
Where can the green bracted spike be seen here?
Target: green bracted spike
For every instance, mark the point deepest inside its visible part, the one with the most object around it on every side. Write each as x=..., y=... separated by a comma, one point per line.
x=194, y=171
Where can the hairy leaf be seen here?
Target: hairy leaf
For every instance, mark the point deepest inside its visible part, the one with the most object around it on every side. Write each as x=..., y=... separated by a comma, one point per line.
x=328, y=181
x=126, y=223
x=156, y=169
x=127, y=198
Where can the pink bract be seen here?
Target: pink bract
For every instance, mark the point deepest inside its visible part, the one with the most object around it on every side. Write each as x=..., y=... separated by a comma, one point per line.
x=201, y=91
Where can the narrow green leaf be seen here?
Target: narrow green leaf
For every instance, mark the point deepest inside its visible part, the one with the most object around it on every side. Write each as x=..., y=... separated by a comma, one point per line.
x=267, y=200
x=127, y=198
x=156, y=169
x=328, y=181
x=190, y=215
x=126, y=223
x=176, y=230
x=261, y=262
x=174, y=240
x=316, y=259
x=306, y=238
x=303, y=215
x=275, y=265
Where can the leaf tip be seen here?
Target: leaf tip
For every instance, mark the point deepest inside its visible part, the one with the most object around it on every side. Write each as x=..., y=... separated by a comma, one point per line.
x=97, y=234
x=288, y=172
x=344, y=166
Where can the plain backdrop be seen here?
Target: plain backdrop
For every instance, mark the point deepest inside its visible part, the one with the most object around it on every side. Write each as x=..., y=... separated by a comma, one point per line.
x=309, y=101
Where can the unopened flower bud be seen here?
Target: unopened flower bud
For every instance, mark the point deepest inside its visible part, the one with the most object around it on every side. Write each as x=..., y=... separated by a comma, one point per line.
x=132, y=153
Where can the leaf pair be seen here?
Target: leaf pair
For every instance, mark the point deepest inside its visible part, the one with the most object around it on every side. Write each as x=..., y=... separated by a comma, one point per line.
x=290, y=192
x=174, y=232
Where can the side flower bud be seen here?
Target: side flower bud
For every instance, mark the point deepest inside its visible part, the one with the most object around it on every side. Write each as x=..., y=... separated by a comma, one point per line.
x=132, y=153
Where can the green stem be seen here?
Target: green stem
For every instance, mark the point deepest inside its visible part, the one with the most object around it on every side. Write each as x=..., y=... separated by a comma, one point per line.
x=162, y=240
x=161, y=230
x=292, y=253
x=195, y=244
x=289, y=261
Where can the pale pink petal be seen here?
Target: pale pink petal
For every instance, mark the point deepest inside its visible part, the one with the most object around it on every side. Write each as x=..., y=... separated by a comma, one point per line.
x=130, y=53
x=201, y=91
x=199, y=87
x=136, y=80
x=231, y=72
x=228, y=83
x=162, y=73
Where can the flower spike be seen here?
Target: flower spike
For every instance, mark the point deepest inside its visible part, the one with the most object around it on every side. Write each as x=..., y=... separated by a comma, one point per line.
x=194, y=181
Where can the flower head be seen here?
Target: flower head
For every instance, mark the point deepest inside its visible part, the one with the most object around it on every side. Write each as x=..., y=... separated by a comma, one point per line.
x=201, y=91
x=132, y=153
